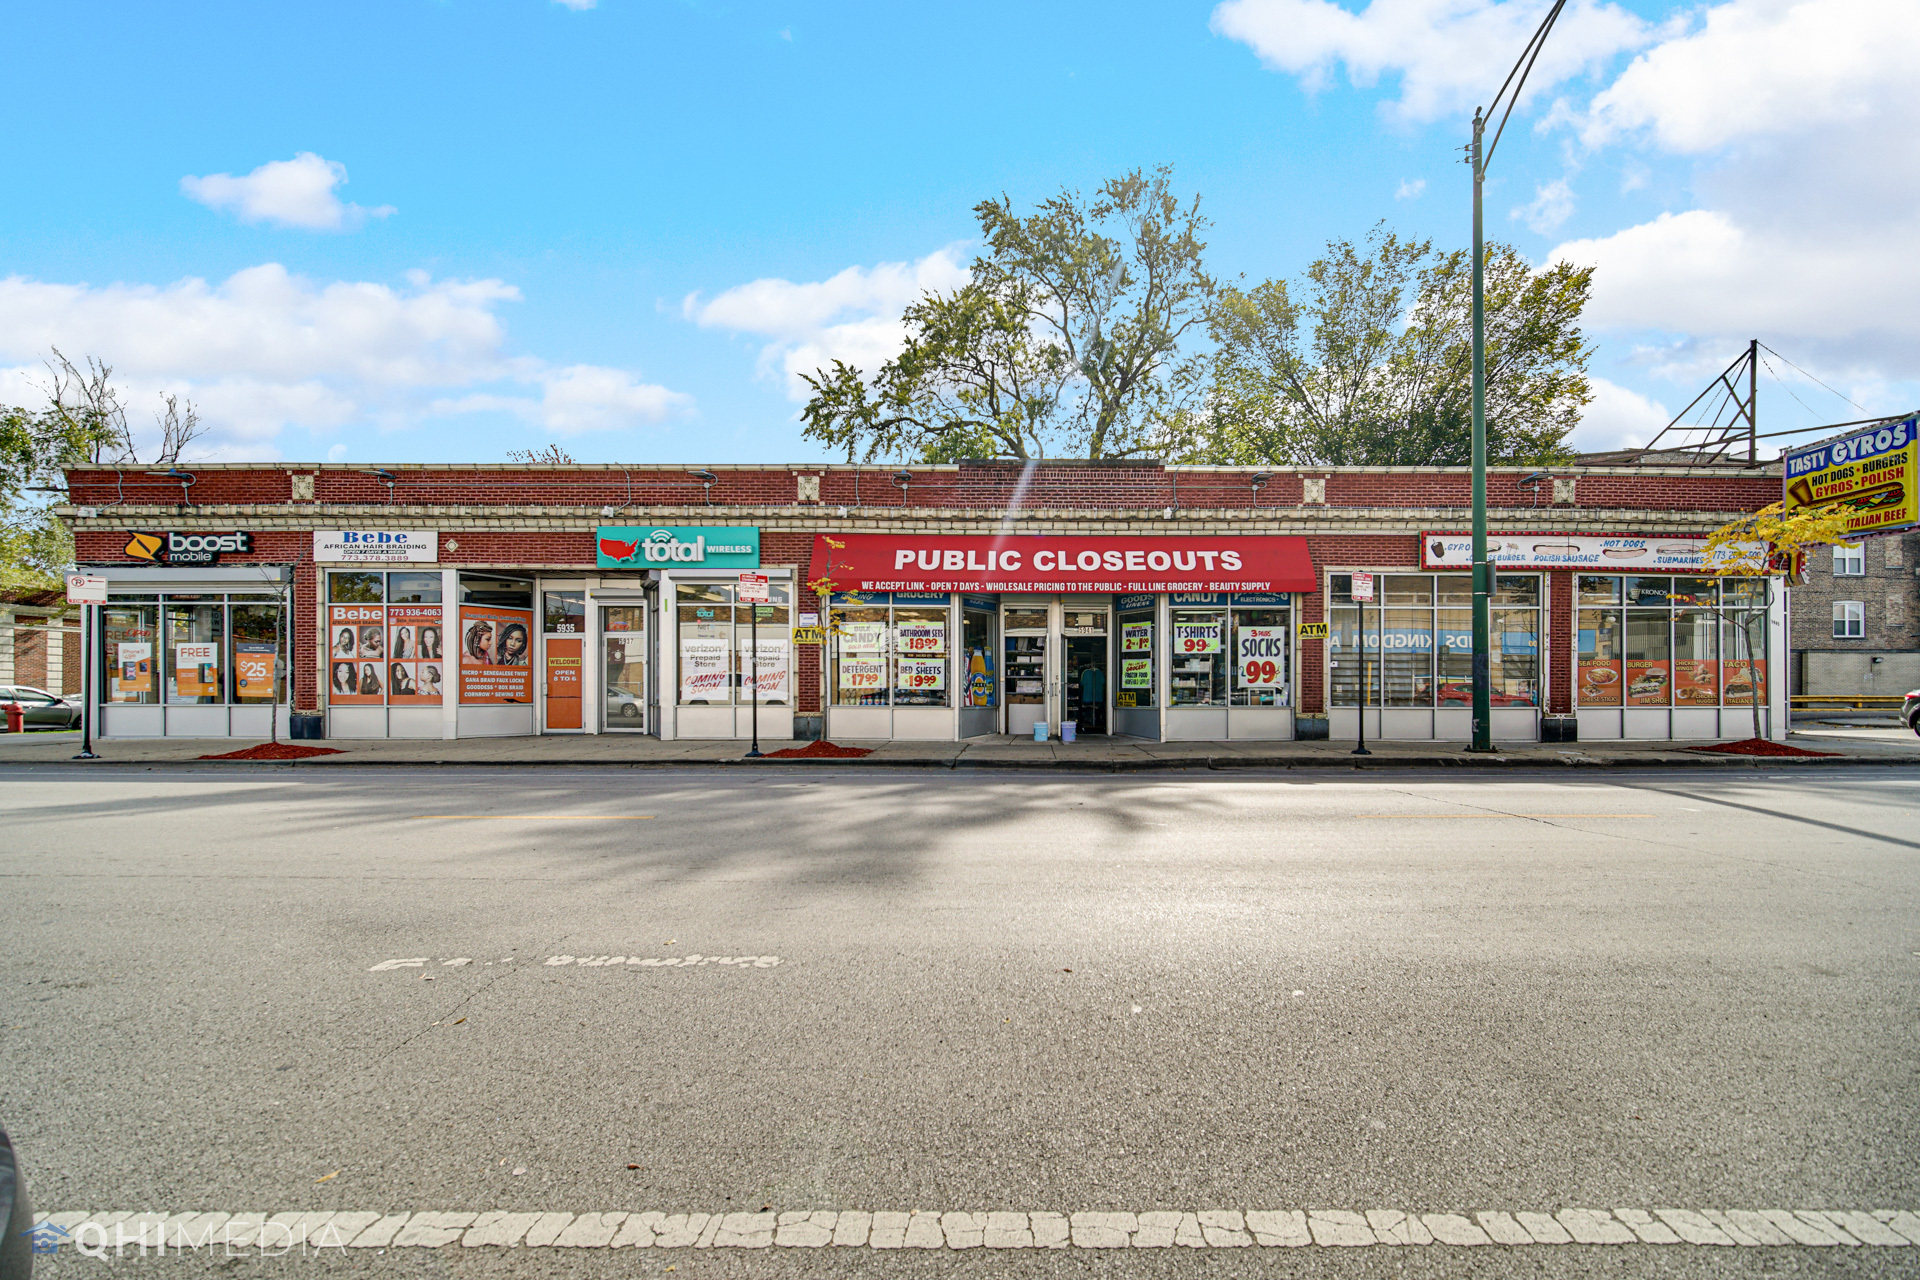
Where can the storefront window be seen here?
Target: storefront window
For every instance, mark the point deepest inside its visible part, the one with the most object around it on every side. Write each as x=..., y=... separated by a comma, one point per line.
x=195, y=636
x=860, y=645
x=128, y=653
x=565, y=612
x=1025, y=633
x=1668, y=641
x=706, y=644
x=496, y=640
x=624, y=633
x=257, y=637
x=768, y=683
x=393, y=653
x=1262, y=656
x=1197, y=667
x=1417, y=636
x=919, y=656
x=1136, y=624
x=982, y=688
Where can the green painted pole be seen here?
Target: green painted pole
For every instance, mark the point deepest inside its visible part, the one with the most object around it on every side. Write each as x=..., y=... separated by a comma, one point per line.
x=1482, y=575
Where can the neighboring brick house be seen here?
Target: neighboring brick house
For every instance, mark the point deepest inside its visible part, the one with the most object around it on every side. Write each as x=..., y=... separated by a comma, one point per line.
x=1855, y=621
x=39, y=640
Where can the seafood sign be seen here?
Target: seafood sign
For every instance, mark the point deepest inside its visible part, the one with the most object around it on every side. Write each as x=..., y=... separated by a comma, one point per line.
x=1564, y=551
x=1869, y=474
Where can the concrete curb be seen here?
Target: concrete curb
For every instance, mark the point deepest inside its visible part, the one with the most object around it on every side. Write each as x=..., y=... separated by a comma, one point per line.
x=1215, y=764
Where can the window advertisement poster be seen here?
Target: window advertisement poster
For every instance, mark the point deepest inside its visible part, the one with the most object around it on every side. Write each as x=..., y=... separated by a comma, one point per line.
x=253, y=670
x=1260, y=657
x=496, y=655
x=1870, y=474
x=1599, y=682
x=864, y=637
x=1136, y=673
x=927, y=675
x=769, y=667
x=1568, y=551
x=1744, y=680
x=862, y=672
x=1696, y=682
x=356, y=670
x=705, y=669
x=132, y=670
x=979, y=679
x=196, y=670
x=922, y=638
x=1136, y=637
x=414, y=654
x=1196, y=635
x=1647, y=682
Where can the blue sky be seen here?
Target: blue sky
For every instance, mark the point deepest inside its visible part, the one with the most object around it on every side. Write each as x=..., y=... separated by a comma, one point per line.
x=430, y=230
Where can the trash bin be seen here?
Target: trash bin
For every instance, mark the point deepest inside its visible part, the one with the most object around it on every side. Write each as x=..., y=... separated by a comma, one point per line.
x=1039, y=730
x=1069, y=730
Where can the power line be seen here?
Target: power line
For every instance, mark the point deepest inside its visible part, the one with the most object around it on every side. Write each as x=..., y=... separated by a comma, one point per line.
x=1849, y=399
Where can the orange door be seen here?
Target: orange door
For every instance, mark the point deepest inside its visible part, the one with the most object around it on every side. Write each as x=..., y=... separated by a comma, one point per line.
x=563, y=682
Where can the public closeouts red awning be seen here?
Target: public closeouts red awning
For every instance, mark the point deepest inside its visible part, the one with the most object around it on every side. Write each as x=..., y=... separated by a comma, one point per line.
x=1060, y=563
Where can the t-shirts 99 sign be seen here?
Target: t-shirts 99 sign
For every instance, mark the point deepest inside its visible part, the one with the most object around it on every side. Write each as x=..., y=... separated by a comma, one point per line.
x=1199, y=636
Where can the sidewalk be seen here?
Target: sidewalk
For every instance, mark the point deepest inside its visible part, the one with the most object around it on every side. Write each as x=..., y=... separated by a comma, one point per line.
x=1853, y=746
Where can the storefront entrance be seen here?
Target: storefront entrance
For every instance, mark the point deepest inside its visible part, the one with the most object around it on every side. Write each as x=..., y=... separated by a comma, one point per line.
x=623, y=671
x=1056, y=665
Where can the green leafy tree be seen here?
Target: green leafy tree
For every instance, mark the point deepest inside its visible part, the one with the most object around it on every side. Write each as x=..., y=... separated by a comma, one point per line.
x=1068, y=339
x=1368, y=361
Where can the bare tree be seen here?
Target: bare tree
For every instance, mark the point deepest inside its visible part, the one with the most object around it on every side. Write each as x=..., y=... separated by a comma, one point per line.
x=87, y=409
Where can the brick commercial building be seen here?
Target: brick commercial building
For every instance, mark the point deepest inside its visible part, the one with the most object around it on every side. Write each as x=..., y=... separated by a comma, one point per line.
x=1140, y=599
x=39, y=641
x=1856, y=619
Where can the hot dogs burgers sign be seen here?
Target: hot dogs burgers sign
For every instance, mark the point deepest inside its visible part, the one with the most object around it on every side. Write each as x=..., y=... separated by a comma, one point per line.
x=1567, y=551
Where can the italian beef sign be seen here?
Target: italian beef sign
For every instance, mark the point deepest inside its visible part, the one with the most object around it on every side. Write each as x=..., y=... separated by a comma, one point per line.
x=1036, y=563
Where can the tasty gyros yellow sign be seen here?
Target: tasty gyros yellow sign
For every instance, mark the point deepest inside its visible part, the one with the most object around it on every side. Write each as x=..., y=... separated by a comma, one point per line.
x=1869, y=474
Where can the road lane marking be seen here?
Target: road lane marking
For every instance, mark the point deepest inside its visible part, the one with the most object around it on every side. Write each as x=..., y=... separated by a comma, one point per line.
x=275, y=1234
x=1503, y=815
x=533, y=817
x=694, y=960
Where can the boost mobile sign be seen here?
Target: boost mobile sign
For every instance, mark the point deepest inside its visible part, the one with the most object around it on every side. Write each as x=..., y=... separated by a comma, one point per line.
x=188, y=548
x=710, y=546
x=376, y=546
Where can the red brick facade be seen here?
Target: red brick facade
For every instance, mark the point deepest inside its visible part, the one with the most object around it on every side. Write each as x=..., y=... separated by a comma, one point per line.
x=543, y=517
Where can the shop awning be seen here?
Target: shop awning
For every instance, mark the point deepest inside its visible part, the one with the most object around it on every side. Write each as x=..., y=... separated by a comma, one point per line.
x=1050, y=563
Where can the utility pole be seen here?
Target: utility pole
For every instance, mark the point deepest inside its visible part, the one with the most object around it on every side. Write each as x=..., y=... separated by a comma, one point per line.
x=1482, y=571
x=1753, y=398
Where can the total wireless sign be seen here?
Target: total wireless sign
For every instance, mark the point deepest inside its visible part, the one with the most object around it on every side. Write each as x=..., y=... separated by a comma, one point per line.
x=906, y=562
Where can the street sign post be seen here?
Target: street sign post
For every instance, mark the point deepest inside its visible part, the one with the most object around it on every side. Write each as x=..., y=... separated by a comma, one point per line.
x=1362, y=594
x=753, y=592
x=86, y=590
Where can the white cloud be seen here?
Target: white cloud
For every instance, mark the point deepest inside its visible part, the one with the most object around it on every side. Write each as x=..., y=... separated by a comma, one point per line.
x=266, y=349
x=853, y=316
x=578, y=6
x=1448, y=54
x=1552, y=205
x=289, y=193
x=1764, y=67
x=337, y=453
x=1617, y=418
x=1411, y=189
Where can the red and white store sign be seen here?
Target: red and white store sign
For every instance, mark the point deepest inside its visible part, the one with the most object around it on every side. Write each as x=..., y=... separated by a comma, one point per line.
x=1039, y=563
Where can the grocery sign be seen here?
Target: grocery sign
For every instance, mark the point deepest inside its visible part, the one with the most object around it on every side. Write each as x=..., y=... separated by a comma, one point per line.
x=1030, y=562
x=1869, y=474
x=1567, y=551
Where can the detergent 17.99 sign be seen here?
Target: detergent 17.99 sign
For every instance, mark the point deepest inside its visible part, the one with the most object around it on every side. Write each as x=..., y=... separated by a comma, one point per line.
x=620, y=546
x=1868, y=474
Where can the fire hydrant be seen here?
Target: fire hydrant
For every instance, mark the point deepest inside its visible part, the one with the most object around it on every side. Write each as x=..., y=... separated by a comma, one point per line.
x=16, y=717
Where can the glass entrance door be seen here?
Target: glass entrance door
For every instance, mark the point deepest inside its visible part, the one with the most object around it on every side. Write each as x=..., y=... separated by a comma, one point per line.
x=1027, y=674
x=623, y=673
x=1084, y=637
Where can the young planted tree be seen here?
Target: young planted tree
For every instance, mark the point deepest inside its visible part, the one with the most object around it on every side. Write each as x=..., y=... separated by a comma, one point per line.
x=1068, y=339
x=1369, y=361
x=1755, y=546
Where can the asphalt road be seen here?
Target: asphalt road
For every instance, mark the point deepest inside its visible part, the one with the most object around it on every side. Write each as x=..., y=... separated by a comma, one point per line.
x=964, y=992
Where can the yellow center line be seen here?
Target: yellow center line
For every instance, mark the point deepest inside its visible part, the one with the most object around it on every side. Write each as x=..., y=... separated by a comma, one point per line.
x=1503, y=815
x=532, y=817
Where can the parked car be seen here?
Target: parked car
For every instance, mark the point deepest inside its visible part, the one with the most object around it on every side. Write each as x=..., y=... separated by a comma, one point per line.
x=1454, y=693
x=1910, y=710
x=16, y=1217
x=43, y=710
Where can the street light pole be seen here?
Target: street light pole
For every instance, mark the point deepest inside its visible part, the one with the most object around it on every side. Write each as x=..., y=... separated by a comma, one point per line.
x=1482, y=652
x=1479, y=158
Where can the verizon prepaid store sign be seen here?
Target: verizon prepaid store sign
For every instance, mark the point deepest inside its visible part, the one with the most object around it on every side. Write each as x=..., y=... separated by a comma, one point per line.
x=1031, y=563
